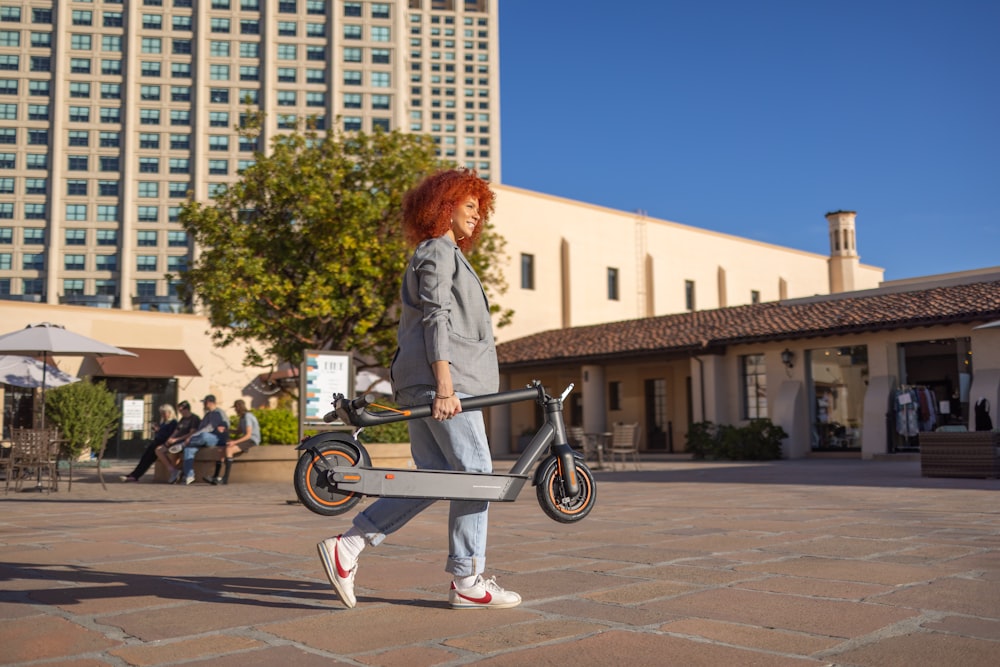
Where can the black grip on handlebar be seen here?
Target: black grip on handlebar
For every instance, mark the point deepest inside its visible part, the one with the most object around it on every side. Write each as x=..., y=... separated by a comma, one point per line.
x=362, y=401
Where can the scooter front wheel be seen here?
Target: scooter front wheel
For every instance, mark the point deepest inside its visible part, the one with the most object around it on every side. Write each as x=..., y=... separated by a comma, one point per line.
x=553, y=499
x=312, y=485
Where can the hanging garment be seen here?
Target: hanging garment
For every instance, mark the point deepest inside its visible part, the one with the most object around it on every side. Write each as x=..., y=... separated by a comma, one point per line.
x=907, y=408
x=983, y=421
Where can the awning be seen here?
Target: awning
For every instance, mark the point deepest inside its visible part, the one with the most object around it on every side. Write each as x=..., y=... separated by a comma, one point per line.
x=149, y=363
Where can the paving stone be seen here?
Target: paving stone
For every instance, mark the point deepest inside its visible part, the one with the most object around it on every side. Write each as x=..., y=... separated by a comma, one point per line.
x=40, y=637
x=767, y=639
x=923, y=649
x=158, y=653
x=642, y=650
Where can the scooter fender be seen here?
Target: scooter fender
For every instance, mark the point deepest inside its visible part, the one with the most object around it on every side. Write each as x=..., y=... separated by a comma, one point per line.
x=343, y=439
x=542, y=470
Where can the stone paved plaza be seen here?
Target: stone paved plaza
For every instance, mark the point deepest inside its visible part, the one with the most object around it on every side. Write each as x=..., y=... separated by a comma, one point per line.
x=811, y=562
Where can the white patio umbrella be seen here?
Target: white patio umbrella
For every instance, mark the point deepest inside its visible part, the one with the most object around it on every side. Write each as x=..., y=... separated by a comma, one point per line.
x=30, y=373
x=367, y=382
x=53, y=339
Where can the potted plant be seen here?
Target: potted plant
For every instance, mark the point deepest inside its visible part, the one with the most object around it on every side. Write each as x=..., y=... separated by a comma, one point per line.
x=86, y=414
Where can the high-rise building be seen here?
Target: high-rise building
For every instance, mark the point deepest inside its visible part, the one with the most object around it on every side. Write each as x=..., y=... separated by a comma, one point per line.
x=114, y=112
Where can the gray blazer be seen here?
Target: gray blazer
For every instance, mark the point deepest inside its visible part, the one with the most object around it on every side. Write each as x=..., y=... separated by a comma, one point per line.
x=445, y=316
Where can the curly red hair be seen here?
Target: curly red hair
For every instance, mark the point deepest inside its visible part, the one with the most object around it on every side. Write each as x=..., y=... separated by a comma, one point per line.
x=427, y=208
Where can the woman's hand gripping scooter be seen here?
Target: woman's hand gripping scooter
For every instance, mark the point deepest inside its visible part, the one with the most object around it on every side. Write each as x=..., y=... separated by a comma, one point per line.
x=335, y=470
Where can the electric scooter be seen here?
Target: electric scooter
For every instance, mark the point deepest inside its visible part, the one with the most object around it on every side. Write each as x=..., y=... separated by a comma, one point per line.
x=335, y=470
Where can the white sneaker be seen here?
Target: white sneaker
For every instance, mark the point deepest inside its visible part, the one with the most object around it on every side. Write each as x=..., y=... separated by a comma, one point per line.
x=484, y=594
x=342, y=580
x=189, y=479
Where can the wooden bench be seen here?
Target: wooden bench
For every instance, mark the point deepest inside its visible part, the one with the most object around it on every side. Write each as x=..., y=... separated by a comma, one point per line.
x=958, y=454
x=276, y=463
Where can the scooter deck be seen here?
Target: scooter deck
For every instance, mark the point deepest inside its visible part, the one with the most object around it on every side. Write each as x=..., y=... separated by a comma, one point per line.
x=431, y=484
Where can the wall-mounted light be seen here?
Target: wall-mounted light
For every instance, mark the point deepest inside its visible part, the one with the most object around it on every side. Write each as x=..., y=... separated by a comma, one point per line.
x=788, y=358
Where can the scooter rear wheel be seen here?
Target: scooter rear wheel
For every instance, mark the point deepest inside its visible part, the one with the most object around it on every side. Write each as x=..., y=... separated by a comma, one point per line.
x=552, y=497
x=312, y=486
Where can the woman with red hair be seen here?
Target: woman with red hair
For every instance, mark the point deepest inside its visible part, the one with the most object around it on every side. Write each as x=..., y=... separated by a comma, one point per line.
x=446, y=352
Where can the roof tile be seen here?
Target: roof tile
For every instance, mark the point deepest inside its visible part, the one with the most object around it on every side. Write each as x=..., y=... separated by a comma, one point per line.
x=803, y=318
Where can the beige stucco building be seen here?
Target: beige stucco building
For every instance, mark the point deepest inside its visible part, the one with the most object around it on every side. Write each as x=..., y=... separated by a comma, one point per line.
x=572, y=264
x=835, y=371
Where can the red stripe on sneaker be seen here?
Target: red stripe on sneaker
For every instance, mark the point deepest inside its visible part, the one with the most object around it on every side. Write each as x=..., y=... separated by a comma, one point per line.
x=341, y=572
x=486, y=599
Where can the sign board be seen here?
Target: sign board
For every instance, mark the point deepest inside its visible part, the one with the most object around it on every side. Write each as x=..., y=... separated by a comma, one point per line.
x=133, y=413
x=323, y=374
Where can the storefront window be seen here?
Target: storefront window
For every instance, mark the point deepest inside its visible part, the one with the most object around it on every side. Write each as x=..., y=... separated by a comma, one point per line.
x=934, y=381
x=838, y=377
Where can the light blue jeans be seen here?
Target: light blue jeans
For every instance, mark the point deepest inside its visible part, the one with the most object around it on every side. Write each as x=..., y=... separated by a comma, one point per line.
x=196, y=442
x=456, y=444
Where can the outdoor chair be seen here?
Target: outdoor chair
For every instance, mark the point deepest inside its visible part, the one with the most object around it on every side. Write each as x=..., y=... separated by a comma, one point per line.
x=624, y=443
x=32, y=452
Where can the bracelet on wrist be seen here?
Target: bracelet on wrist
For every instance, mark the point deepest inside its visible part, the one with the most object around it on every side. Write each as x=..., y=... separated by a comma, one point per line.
x=437, y=396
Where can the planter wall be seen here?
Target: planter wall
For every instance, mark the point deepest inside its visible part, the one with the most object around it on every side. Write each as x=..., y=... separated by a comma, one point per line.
x=276, y=463
x=956, y=454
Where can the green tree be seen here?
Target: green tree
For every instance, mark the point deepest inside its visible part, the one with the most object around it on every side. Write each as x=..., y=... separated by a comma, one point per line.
x=84, y=412
x=306, y=251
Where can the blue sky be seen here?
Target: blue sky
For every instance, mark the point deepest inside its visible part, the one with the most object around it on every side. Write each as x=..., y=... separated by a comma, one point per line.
x=757, y=117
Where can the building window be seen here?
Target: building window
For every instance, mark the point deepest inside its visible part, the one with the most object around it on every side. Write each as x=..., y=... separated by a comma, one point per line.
x=76, y=237
x=613, y=284
x=107, y=237
x=107, y=212
x=148, y=213
x=754, y=383
x=145, y=288
x=689, y=302
x=35, y=211
x=527, y=271
x=218, y=72
x=76, y=187
x=31, y=261
x=106, y=262
x=150, y=189
x=106, y=287
x=74, y=262
x=146, y=239
x=145, y=263
x=754, y=296
x=615, y=395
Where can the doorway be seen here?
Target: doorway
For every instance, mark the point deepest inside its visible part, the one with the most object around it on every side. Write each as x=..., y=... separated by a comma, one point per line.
x=659, y=431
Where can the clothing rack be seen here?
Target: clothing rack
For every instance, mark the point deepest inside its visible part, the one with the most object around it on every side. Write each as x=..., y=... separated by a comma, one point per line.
x=915, y=413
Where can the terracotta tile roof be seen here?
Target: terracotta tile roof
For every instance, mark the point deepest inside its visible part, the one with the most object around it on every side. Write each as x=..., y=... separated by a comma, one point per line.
x=712, y=330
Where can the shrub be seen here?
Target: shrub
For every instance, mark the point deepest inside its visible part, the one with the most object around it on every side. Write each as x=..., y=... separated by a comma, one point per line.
x=760, y=440
x=394, y=432
x=277, y=426
x=85, y=413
